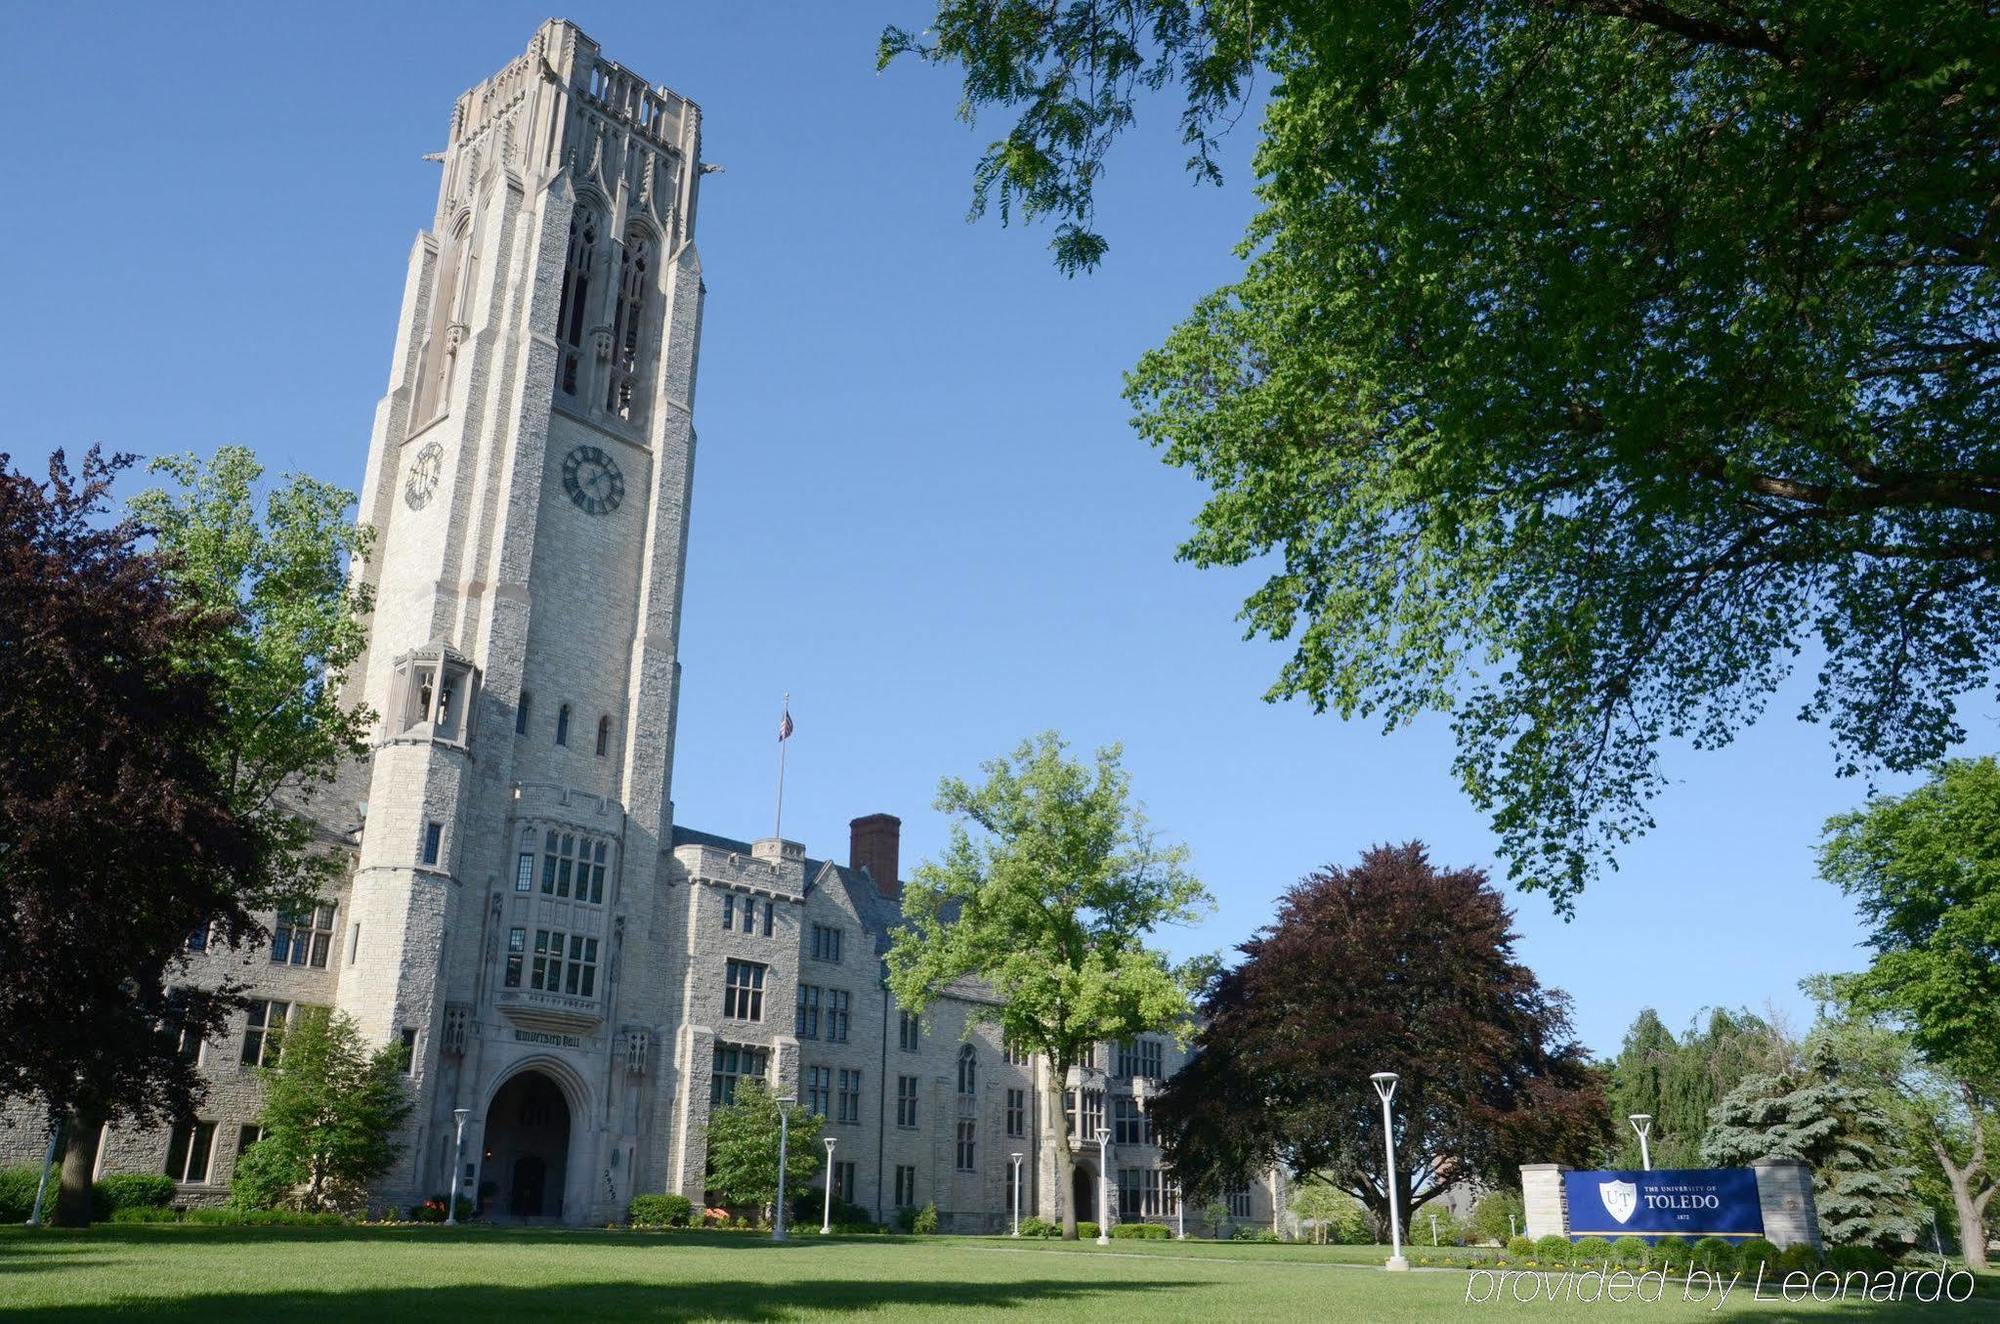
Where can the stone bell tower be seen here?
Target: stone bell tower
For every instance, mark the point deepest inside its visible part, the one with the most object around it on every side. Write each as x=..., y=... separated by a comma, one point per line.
x=528, y=480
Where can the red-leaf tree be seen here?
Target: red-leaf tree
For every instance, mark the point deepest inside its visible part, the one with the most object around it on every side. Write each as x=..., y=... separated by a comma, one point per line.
x=117, y=835
x=1393, y=965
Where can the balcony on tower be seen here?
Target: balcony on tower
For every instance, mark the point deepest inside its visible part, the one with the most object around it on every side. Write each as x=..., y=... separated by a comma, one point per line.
x=434, y=691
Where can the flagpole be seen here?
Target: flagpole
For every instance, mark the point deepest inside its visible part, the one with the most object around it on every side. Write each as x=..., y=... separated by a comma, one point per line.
x=778, y=821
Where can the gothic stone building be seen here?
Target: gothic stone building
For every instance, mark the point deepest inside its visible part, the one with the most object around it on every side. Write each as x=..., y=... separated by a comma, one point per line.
x=559, y=958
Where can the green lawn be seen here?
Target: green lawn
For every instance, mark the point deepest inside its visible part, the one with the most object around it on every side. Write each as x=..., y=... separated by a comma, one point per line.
x=211, y=1274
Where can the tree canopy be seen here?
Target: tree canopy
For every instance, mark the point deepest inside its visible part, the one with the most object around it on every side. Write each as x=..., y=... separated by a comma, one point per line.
x=1678, y=1079
x=1820, y=1110
x=743, y=1147
x=281, y=580
x=1391, y=965
x=1591, y=360
x=118, y=837
x=331, y=1111
x=1051, y=905
x=1924, y=869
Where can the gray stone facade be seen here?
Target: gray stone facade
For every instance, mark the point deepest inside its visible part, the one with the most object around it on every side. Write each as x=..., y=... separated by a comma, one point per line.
x=520, y=907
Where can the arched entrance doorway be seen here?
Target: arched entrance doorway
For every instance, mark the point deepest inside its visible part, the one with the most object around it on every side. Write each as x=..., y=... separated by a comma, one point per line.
x=527, y=1149
x=1083, y=1193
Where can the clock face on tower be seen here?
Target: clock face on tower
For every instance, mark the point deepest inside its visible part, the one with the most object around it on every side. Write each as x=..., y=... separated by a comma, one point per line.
x=592, y=480
x=423, y=479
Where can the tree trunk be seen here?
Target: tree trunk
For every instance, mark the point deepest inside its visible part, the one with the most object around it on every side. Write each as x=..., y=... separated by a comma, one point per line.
x=1971, y=1226
x=79, y=1165
x=1065, y=1162
x=1970, y=1206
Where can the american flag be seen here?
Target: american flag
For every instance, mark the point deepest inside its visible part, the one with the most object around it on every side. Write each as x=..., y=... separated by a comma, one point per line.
x=785, y=725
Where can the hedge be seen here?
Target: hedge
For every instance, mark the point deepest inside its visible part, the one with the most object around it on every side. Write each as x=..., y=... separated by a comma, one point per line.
x=1142, y=1232
x=667, y=1210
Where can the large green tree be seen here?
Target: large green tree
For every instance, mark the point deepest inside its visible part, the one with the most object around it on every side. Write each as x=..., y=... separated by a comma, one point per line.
x=1943, y=1125
x=1591, y=359
x=1048, y=890
x=118, y=836
x=743, y=1148
x=1924, y=869
x=279, y=574
x=1823, y=1111
x=1390, y=965
x=1678, y=1080
x=331, y=1109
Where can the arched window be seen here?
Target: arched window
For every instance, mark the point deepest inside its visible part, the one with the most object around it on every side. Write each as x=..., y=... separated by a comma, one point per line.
x=575, y=299
x=635, y=265
x=968, y=1070
x=603, y=736
x=562, y=725
x=521, y=714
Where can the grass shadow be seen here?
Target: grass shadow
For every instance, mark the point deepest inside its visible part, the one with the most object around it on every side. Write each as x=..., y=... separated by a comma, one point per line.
x=722, y=1299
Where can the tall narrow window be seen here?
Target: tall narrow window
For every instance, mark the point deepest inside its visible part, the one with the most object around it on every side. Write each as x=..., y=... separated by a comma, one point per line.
x=621, y=396
x=968, y=1070
x=188, y=1152
x=582, y=256
x=517, y=948
x=562, y=725
x=603, y=736
x=521, y=714
x=433, y=841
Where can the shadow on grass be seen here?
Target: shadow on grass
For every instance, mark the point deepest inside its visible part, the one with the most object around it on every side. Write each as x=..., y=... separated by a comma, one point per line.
x=572, y=1301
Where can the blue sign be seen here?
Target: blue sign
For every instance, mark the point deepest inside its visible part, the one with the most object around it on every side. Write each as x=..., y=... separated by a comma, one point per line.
x=1682, y=1202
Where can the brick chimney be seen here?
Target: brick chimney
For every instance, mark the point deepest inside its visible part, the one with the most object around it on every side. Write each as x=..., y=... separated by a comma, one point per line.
x=874, y=843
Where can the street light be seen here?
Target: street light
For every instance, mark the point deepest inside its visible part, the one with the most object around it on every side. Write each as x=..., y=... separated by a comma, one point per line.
x=826, y=1218
x=1385, y=1085
x=457, y=1179
x=48, y=1161
x=784, y=1137
x=1103, y=1188
x=1642, y=1123
x=1016, y=1158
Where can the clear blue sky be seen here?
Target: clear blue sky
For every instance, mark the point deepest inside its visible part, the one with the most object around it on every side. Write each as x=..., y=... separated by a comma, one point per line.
x=918, y=505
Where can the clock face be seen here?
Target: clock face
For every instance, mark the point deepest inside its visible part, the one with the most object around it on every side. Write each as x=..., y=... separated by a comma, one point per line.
x=424, y=473
x=592, y=480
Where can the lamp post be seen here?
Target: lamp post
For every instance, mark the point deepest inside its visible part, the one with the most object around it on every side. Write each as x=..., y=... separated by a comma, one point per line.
x=1642, y=1123
x=1180, y=1214
x=48, y=1161
x=1015, y=1157
x=826, y=1218
x=1103, y=1187
x=457, y=1178
x=784, y=1137
x=1385, y=1086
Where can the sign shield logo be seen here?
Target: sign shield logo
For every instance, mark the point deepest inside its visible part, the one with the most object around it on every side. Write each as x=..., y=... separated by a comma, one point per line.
x=1620, y=1198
